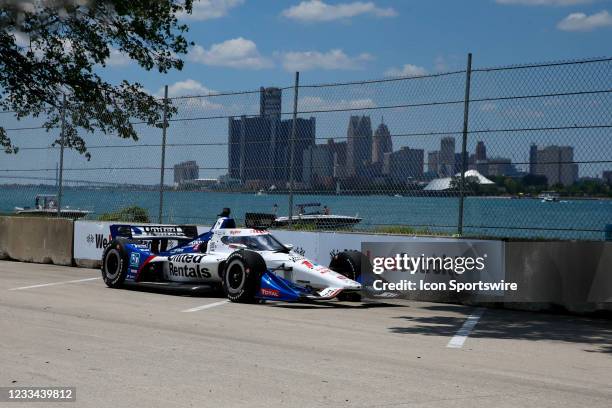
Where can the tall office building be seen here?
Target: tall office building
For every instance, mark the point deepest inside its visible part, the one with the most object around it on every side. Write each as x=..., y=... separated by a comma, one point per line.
x=270, y=101
x=382, y=143
x=447, y=157
x=481, y=151
x=433, y=162
x=259, y=147
x=556, y=164
x=188, y=170
x=405, y=164
x=533, y=158
x=359, y=144
x=500, y=166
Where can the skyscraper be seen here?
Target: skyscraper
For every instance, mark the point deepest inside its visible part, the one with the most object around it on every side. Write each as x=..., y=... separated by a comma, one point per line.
x=270, y=101
x=556, y=163
x=433, y=162
x=359, y=144
x=405, y=164
x=481, y=151
x=382, y=143
x=188, y=170
x=533, y=158
x=447, y=156
x=259, y=147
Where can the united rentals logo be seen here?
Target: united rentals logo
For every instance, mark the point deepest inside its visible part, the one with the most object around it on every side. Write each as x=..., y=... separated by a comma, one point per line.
x=189, y=266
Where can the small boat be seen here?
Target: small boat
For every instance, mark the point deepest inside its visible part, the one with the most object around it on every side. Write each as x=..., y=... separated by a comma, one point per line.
x=261, y=192
x=320, y=219
x=549, y=197
x=46, y=204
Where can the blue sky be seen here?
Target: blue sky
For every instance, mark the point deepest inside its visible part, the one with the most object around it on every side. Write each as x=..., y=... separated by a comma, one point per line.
x=244, y=44
x=241, y=44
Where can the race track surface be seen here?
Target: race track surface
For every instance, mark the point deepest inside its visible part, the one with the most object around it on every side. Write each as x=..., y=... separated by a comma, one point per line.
x=143, y=349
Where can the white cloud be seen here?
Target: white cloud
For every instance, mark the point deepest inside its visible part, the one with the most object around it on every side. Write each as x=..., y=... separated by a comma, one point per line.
x=191, y=87
x=488, y=107
x=408, y=70
x=333, y=59
x=317, y=11
x=235, y=53
x=544, y=2
x=187, y=87
x=117, y=58
x=583, y=22
x=210, y=9
x=313, y=103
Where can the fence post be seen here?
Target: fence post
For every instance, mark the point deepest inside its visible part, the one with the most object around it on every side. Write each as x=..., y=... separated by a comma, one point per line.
x=292, y=145
x=60, y=186
x=163, y=156
x=464, y=160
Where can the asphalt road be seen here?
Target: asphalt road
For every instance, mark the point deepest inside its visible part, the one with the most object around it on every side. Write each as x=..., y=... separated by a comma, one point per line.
x=131, y=348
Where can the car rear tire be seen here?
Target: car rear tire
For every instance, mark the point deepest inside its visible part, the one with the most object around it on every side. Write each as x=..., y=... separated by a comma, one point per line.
x=348, y=263
x=242, y=274
x=114, y=264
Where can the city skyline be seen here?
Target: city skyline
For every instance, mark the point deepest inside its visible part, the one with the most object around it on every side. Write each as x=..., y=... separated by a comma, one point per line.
x=259, y=147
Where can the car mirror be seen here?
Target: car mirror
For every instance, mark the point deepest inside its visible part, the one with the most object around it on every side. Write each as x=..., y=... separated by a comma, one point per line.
x=288, y=246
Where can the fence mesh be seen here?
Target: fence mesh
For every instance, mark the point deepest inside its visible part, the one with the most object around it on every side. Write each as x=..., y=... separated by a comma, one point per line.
x=382, y=155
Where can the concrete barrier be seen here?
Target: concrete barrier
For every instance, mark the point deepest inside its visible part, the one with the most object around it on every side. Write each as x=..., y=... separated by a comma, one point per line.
x=575, y=276
x=566, y=276
x=37, y=239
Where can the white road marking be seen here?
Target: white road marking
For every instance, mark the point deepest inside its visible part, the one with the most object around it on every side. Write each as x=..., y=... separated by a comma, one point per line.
x=55, y=283
x=208, y=306
x=465, y=330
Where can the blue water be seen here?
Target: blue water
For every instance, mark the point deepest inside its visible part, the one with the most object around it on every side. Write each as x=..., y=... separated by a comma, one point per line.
x=573, y=219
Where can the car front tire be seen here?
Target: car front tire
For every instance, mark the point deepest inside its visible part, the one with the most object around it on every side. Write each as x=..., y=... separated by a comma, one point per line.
x=242, y=274
x=348, y=263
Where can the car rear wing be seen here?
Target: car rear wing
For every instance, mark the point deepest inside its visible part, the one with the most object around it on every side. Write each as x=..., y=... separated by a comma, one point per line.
x=153, y=232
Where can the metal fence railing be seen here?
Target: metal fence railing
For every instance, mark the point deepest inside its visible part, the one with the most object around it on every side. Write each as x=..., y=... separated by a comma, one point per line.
x=516, y=151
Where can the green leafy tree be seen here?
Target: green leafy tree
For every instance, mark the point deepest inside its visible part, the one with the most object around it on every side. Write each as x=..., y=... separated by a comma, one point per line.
x=132, y=214
x=49, y=48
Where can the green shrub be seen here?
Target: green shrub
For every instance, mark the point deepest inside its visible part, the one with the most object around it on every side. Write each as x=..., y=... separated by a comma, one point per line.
x=131, y=214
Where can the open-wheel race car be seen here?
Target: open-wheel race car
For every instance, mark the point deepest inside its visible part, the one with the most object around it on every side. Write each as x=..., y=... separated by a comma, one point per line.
x=248, y=264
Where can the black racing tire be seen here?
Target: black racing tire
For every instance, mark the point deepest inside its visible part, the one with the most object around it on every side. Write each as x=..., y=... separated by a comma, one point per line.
x=348, y=263
x=115, y=264
x=242, y=275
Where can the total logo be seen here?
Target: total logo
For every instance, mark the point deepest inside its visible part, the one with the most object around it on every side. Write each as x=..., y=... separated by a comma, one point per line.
x=269, y=292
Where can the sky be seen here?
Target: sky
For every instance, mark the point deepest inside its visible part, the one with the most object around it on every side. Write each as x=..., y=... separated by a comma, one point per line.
x=245, y=44
x=241, y=44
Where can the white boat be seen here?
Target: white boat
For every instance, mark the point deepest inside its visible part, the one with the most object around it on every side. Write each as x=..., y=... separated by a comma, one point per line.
x=549, y=196
x=319, y=219
x=46, y=204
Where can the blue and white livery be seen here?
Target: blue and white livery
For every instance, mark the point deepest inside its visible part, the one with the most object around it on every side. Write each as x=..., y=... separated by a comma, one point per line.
x=249, y=264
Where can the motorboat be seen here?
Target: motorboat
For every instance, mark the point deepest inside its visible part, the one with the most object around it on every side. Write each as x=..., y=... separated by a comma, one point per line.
x=311, y=214
x=47, y=204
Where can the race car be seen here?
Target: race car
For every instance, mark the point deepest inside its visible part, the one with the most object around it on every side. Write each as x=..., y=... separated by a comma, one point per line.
x=248, y=264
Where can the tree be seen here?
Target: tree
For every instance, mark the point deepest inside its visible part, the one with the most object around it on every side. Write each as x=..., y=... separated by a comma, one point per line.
x=49, y=48
x=472, y=185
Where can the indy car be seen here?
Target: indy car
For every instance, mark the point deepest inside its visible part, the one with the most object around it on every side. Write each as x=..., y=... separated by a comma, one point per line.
x=248, y=264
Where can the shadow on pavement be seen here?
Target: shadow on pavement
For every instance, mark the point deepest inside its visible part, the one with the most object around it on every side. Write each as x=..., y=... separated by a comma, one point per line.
x=514, y=325
x=335, y=305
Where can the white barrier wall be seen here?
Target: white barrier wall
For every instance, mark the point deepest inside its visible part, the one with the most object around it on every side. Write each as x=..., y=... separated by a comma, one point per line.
x=90, y=238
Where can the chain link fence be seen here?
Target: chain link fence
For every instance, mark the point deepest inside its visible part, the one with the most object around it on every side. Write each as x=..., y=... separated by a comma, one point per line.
x=516, y=151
